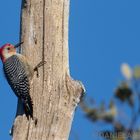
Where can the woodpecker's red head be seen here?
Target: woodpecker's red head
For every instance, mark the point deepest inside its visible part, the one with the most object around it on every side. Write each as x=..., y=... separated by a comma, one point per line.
x=8, y=50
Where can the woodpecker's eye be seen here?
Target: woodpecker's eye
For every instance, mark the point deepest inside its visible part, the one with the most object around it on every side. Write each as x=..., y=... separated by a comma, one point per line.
x=8, y=48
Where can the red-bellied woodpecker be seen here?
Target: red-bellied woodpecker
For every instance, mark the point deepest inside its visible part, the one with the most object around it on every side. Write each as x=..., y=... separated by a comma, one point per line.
x=19, y=73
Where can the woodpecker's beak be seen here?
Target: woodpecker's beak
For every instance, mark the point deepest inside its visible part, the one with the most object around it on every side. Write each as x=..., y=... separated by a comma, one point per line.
x=17, y=45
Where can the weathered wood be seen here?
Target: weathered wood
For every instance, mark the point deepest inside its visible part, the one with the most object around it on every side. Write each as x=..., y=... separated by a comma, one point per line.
x=44, y=30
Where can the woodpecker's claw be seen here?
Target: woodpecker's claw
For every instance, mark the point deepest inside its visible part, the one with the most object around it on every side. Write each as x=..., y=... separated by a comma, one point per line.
x=39, y=65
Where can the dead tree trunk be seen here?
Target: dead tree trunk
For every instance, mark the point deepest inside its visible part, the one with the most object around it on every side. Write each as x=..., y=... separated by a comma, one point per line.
x=44, y=30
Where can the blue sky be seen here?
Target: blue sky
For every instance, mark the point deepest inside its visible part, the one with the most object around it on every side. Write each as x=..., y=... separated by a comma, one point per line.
x=103, y=34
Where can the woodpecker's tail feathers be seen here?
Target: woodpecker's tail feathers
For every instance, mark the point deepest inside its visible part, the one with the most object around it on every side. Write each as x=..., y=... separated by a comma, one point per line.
x=28, y=108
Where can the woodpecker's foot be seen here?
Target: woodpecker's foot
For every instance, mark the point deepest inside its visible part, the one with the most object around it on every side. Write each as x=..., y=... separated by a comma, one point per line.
x=39, y=65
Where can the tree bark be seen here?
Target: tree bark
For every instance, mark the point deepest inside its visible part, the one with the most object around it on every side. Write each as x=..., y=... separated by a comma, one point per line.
x=55, y=95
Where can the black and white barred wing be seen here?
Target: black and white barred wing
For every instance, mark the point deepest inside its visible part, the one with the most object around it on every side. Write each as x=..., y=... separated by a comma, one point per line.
x=17, y=78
